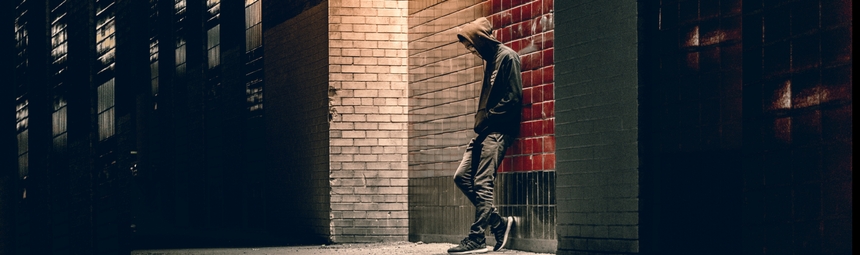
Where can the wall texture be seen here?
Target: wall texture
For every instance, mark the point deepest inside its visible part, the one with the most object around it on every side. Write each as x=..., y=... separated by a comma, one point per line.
x=8, y=185
x=443, y=89
x=692, y=127
x=680, y=124
x=444, y=82
x=368, y=108
x=527, y=179
x=747, y=127
x=597, y=127
x=296, y=71
x=797, y=109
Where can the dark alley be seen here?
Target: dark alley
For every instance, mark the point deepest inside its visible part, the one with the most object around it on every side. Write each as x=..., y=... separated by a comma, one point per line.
x=337, y=126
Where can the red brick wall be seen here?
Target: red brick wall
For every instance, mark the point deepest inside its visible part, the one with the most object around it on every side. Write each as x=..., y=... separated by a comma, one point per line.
x=440, y=70
x=444, y=85
x=527, y=27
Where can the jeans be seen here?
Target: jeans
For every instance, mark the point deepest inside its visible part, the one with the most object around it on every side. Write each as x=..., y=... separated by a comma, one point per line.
x=475, y=177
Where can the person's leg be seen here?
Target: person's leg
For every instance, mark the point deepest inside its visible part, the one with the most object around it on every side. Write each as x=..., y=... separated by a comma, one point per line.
x=485, y=163
x=463, y=178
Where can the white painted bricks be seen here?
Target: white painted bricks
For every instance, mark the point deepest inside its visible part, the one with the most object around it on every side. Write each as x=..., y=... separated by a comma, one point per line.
x=368, y=138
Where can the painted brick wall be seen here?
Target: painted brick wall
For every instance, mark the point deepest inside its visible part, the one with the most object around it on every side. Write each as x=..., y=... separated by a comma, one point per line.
x=597, y=127
x=527, y=178
x=527, y=27
x=444, y=85
x=444, y=80
x=367, y=89
x=296, y=69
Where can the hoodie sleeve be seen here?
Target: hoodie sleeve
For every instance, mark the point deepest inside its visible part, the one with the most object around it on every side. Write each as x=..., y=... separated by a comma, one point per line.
x=508, y=90
x=511, y=94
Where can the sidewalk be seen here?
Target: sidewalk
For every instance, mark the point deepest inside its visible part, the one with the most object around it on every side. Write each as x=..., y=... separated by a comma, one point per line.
x=348, y=249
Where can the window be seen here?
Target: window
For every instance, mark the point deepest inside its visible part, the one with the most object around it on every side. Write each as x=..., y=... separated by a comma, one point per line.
x=153, y=49
x=106, y=109
x=213, y=45
x=153, y=65
x=105, y=52
x=253, y=27
x=213, y=8
x=23, y=154
x=105, y=40
x=22, y=109
x=180, y=56
x=213, y=33
x=105, y=35
x=255, y=98
x=60, y=123
x=179, y=7
x=20, y=32
x=21, y=35
x=59, y=49
x=254, y=51
x=22, y=116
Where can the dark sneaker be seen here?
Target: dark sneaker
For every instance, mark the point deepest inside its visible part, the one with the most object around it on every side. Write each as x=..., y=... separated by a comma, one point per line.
x=467, y=246
x=502, y=232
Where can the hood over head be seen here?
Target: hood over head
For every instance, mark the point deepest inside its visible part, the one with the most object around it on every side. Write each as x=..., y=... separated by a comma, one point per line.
x=480, y=34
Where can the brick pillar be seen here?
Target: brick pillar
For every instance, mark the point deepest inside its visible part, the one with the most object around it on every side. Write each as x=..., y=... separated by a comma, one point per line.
x=597, y=126
x=368, y=82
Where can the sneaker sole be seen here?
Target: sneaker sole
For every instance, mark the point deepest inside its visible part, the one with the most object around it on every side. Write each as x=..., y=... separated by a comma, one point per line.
x=507, y=232
x=482, y=250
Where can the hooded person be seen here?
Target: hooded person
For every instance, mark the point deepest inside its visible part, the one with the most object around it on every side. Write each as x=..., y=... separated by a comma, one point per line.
x=501, y=90
x=497, y=122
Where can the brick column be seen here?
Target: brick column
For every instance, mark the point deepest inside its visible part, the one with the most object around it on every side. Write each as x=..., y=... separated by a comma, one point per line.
x=368, y=107
x=597, y=126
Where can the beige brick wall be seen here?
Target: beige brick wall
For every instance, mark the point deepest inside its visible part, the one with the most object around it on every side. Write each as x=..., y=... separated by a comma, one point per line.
x=368, y=91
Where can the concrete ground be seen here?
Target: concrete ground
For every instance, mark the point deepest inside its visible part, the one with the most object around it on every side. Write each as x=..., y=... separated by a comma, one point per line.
x=348, y=249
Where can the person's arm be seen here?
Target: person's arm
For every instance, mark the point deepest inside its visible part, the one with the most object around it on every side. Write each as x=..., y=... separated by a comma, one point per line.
x=511, y=92
x=508, y=90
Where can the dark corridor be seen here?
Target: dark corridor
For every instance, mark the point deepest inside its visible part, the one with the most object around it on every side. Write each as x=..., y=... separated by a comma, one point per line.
x=746, y=119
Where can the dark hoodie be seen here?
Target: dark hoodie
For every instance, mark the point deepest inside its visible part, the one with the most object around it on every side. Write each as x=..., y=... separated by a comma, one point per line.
x=502, y=89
